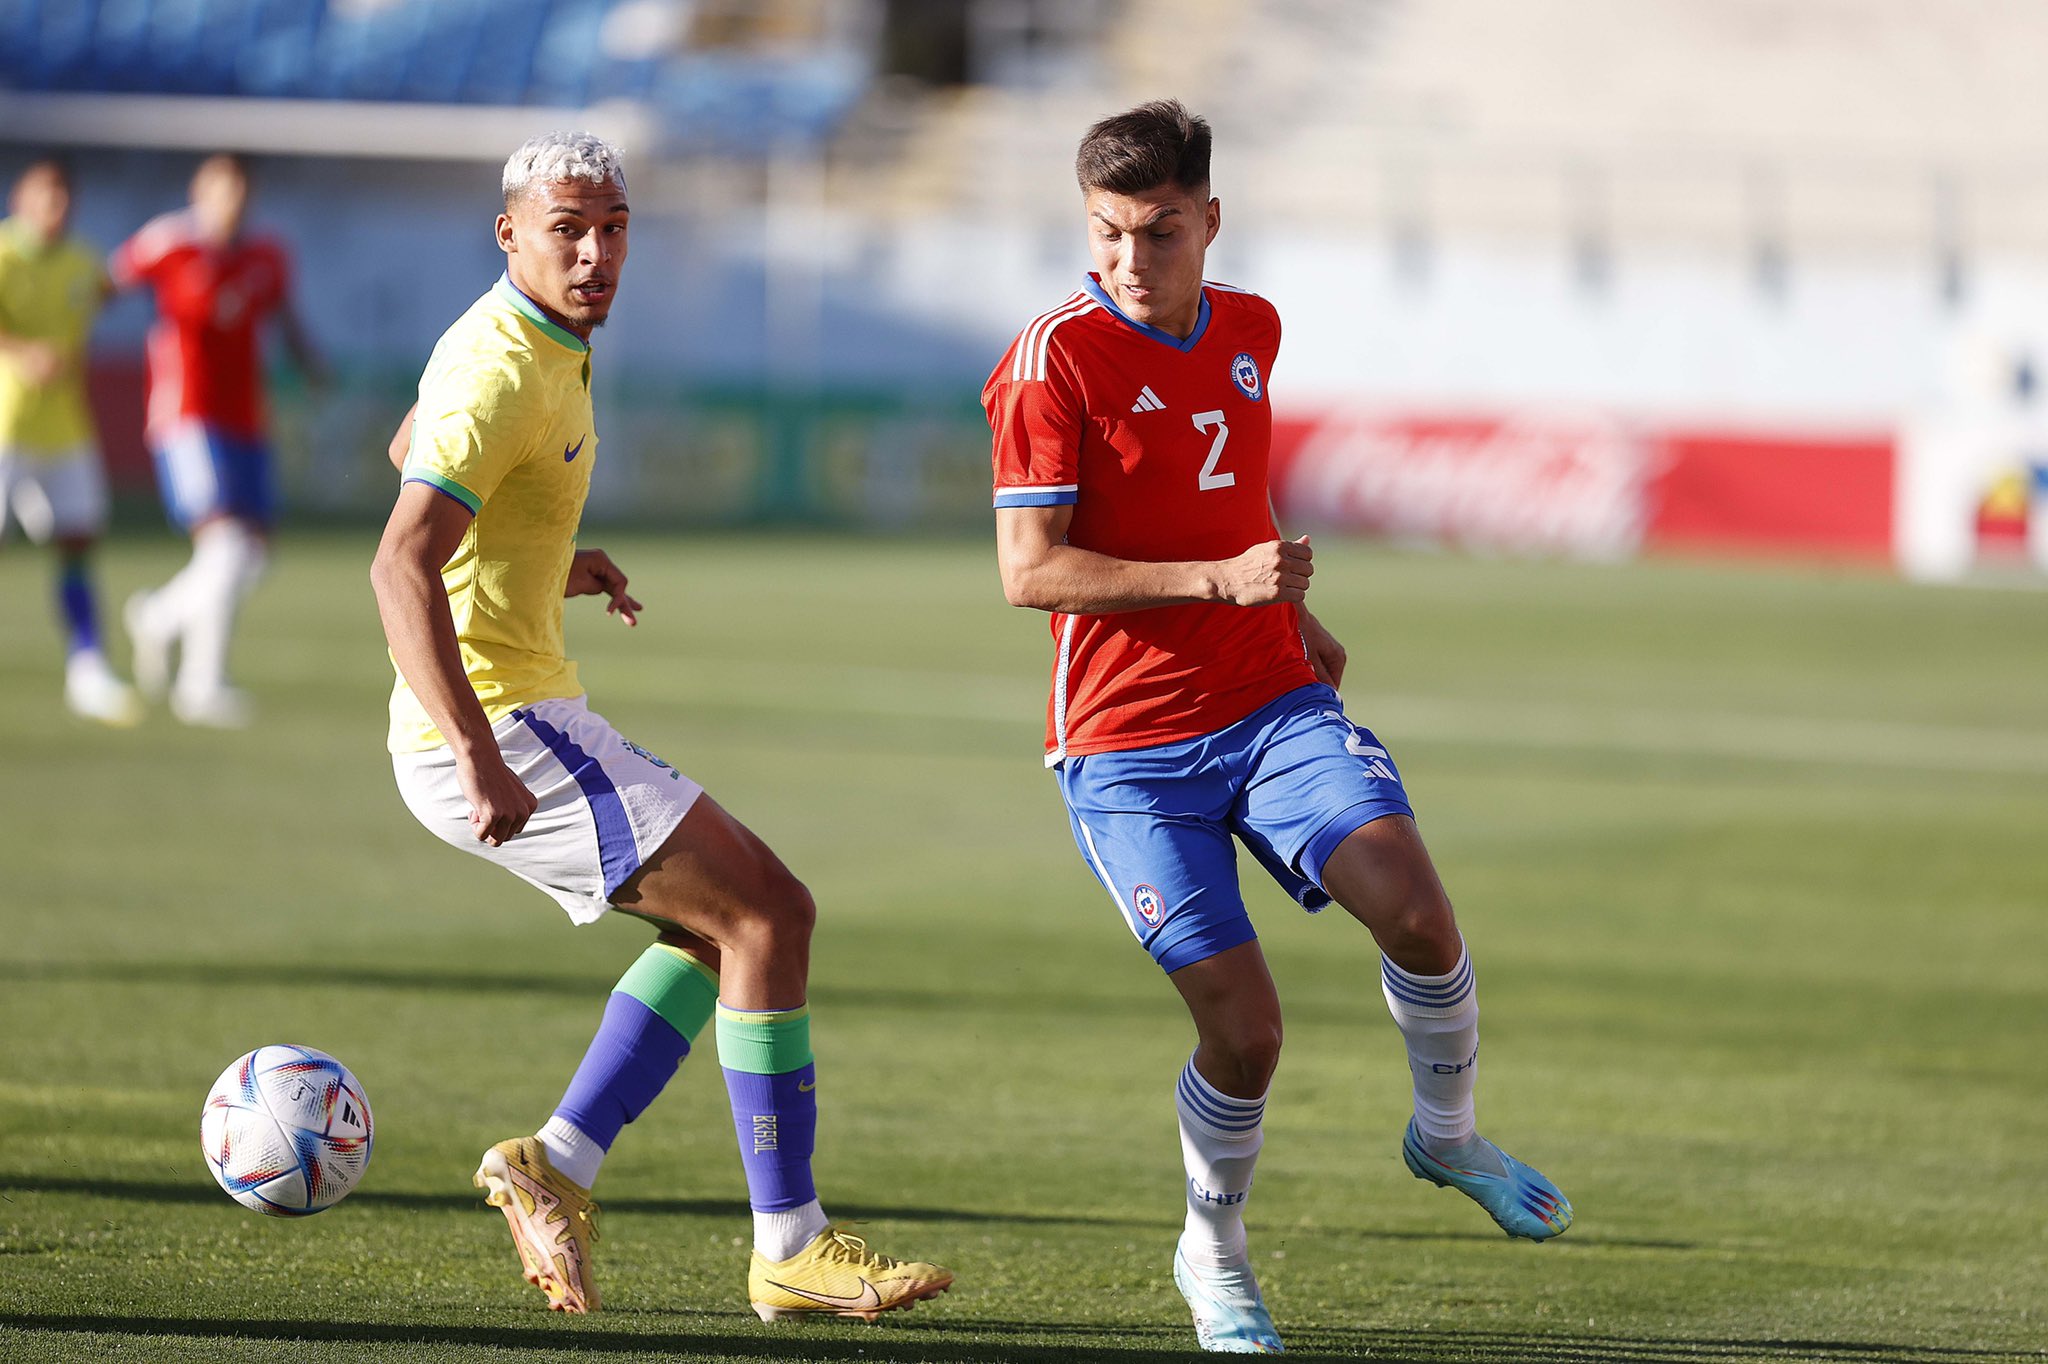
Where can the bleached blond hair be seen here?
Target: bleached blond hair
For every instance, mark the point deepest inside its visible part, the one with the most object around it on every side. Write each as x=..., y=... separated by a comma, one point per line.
x=561, y=156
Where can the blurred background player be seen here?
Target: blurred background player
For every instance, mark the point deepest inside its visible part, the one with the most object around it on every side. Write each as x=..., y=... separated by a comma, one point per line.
x=1194, y=696
x=497, y=752
x=51, y=482
x=216, y=287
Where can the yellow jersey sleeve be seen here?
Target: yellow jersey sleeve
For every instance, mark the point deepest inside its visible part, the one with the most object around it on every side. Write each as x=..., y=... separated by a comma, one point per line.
x=478, y=419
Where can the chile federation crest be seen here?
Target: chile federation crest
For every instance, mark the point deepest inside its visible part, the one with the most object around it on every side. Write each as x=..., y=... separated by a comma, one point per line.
x=1244, y=372
x=1151, y=906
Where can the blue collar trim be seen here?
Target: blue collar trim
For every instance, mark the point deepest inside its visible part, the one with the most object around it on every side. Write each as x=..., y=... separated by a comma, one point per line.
x=1096, y=291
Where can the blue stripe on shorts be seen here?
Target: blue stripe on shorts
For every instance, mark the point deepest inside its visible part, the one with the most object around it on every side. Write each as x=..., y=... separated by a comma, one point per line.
x=617, y=852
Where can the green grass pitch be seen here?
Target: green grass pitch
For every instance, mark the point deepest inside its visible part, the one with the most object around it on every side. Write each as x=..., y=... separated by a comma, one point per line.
x=1754, y=864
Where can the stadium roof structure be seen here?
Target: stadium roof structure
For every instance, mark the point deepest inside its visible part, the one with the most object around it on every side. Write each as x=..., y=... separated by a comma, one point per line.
x=354, y=76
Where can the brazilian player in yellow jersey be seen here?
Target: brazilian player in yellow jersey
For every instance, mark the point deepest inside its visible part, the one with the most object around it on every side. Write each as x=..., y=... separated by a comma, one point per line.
x=496, y=751
x=51, y=288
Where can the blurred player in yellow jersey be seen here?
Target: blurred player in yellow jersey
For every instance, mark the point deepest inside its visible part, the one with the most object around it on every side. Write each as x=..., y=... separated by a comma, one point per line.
x=51, y=483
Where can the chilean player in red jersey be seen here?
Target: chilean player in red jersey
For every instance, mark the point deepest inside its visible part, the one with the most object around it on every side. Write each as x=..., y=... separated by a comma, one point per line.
x=1194, y=696
x=216, y=287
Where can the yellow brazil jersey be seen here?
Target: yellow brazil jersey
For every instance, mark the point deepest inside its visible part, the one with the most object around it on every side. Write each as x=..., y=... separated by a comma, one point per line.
x=48, y=292
x=504, y=427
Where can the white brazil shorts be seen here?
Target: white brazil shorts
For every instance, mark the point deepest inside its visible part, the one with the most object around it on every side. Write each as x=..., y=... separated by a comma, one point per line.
x=606, y=804
x=52, y=497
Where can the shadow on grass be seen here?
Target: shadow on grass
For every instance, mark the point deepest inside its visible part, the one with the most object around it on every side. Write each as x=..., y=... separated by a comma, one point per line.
x=973, y=1000
x=964, y=1002
x=197, y=1191
x=219, y=973
x=928, y=1342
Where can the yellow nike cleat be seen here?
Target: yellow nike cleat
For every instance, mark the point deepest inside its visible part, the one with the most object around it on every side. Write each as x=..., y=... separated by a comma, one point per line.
x=838, y=1276
x=553, y=1221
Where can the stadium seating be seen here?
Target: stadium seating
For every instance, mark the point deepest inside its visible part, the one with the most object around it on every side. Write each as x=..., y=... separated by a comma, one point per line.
x=745, y=99
x=1818, y=127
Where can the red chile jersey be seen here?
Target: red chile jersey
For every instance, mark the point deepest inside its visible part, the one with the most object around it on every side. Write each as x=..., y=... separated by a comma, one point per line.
x=1160, y=445
x=205, y=356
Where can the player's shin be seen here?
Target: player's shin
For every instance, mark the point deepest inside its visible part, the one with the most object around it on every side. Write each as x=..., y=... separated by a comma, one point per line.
x=655, y=1012
x=1439, y=1021
x=772, y=1082
x=77, y=606
x=227, y=560
x=1220, y=1138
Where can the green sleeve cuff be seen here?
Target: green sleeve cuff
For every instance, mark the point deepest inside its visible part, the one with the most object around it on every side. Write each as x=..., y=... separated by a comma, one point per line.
x=441, y=483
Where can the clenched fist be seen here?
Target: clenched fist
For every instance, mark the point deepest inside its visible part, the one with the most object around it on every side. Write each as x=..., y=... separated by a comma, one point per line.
x=1275, y=571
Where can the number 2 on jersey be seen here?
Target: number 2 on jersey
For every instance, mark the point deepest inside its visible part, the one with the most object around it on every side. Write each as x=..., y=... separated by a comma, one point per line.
x=1210, y=480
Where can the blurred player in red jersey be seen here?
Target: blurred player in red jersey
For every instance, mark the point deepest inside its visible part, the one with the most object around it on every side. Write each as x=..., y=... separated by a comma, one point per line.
x=215, y=286
x=1194, y=699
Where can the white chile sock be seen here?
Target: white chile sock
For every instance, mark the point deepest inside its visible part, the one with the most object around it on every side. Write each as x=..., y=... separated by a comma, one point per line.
x=1439, y=1020
x=1220, y=1138
x=227, y=560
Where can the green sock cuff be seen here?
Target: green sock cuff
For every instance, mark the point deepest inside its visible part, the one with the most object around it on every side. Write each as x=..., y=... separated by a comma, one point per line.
x=762, y=1042
x=675, y=985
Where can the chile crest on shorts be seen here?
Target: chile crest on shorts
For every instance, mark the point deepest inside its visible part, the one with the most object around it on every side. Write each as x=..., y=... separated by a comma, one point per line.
x=1150, y=905
x=1244, y=372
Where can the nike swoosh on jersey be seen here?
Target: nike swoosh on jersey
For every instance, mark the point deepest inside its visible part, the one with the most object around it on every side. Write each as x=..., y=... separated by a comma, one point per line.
x=568, y=454
x=869, y=1296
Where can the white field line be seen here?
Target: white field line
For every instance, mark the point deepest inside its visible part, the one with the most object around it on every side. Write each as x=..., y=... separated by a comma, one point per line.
x=992, y=699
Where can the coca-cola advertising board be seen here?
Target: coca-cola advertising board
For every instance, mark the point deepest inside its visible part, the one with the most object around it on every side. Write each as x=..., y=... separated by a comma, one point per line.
x=1587, y=484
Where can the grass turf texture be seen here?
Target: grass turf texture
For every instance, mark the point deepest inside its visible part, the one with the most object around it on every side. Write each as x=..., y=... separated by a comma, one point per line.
x=1751, y=862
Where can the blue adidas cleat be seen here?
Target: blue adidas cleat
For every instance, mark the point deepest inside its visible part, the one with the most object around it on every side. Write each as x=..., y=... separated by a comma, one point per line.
x=1514, y=1195
x=1230, y=1315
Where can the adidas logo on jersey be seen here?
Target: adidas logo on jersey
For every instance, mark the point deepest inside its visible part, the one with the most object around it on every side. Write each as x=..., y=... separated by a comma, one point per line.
x=1148, y=401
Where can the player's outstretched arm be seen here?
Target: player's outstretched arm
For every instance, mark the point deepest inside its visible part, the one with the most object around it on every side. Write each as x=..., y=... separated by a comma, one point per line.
x=298, y=343
x=1041, y=570
x=424, y=530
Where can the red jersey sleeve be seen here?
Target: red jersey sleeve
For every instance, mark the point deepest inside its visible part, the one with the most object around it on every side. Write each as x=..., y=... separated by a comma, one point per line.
x=136, y=260
x=1036, y=421
x=130, y=264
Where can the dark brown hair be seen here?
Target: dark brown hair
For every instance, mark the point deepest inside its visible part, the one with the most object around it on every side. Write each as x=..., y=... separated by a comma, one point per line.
x=1155, y=144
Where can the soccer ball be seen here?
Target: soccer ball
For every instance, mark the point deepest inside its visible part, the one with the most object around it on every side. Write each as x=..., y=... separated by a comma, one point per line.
x=286, y=1131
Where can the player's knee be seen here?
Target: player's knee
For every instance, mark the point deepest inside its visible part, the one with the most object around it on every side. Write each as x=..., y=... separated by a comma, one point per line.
x=1420, y=932
x=1249, y=1055
x=798, y=912
x=784, y=910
